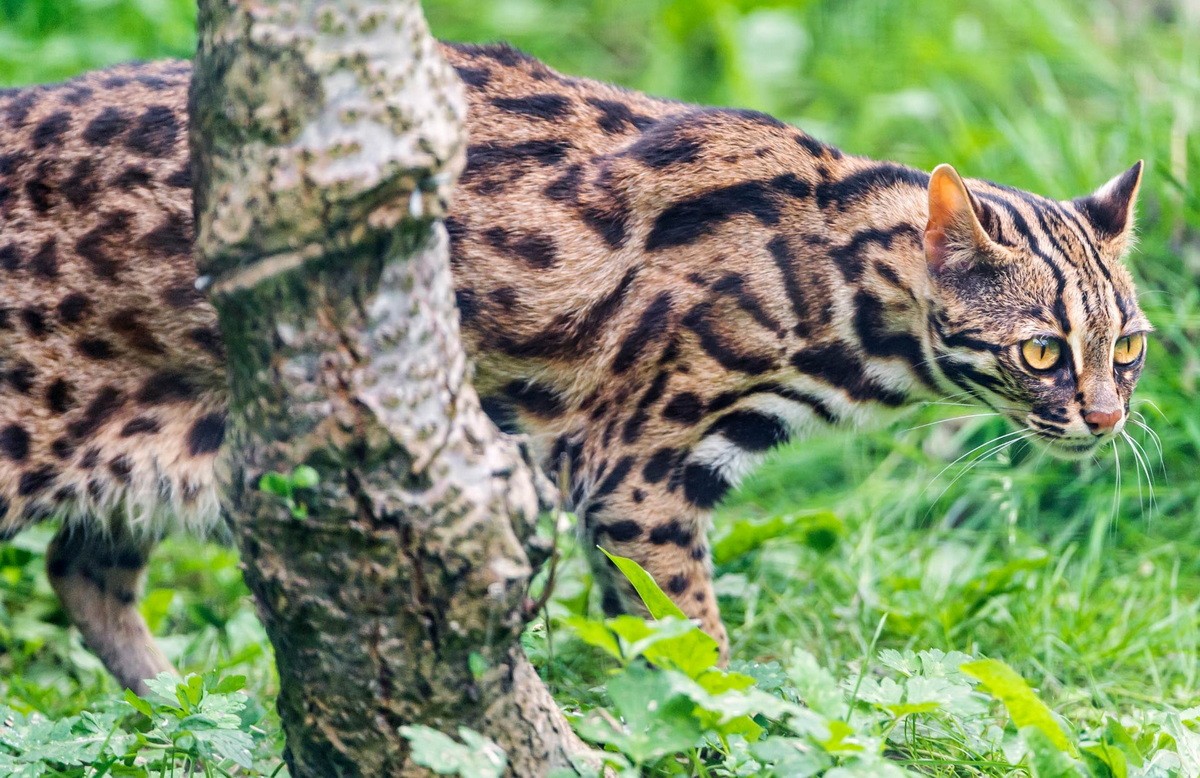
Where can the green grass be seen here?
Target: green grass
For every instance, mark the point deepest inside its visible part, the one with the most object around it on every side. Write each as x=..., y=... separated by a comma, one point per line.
x=1086, y=588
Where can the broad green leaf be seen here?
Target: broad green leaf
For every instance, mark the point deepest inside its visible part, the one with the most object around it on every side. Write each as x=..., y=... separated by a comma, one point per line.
x=304, y=477
x=658, y=603
x=275, y=483
x=478, y=758
x=1024, y=707
x=1046, y=758
x=594, y=633
x=230, y=684
x=138, y=704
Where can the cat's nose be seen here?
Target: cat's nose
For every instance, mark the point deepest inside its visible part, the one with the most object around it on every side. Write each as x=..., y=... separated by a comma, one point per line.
x=1100, y=422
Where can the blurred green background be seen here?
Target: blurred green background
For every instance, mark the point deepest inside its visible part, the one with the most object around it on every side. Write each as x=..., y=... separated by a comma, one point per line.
x=1076, y=578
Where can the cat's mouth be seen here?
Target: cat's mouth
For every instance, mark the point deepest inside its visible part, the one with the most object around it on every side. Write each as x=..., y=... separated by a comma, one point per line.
x=1071, y=448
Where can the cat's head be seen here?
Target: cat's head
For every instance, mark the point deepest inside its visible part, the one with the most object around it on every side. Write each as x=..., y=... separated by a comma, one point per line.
x=1036, y=315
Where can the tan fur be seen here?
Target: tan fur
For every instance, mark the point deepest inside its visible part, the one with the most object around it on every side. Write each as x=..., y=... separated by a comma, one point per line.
x=656, y=292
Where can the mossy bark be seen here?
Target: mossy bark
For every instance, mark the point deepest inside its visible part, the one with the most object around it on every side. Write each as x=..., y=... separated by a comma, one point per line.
x=326, y=140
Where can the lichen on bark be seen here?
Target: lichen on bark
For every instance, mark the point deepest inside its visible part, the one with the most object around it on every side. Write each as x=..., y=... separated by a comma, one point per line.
x=326, y=138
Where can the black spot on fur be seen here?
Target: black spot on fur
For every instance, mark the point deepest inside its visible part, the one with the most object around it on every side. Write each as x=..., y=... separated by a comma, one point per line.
x=121, y=467
x=49, y=131
x=208, y=339
x=677, y=584
x=491, y=165
x=182, y=295
x=476, y=77
x=96, y=348
x=181, y=178
x=651, y=325
x=94, y=244
x=140, y=425
x=837, y=365
x=59, y=397
x=565, y=188
x=546, y=107
x=848, y=258
x=109, y=124
x=502, y=414
x=45, y=261
x=35, y=321
x=165, y=387
x=171, y=238
x=14, y=442
x=62, y=447
x=537, y=249
x=21, y=376
x=10, y=257
x=12, y=162
x=685, y=408
x=568, y=334
x=703, y=485
x=468, y=305
x=664, y=147
x=98, y=411
x=659, y=464
x=641, y=414
x=155, y=132
x=750, y=430
x=128, y=324
x=699, y=321
x=73, y=307
x=206, y=434
x=614, y=478
x=81, y=185
x=616, y=117
x=535, y=398
x=34, y=481
x=874, y=179
x=672, y=531
x=132, y=177
x=505, y=297
x=621, y=531
x=38, y=189
x=689, y=220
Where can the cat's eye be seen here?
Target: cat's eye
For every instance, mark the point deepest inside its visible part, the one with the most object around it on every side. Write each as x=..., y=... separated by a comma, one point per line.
x=1129, y=348
x=1042, y=353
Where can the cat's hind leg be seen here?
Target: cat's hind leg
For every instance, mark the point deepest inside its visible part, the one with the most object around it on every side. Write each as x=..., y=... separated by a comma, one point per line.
x=98, y=576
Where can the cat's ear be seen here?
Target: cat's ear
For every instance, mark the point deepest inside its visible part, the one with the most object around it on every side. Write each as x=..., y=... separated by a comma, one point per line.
x=954, y=229
x=1110, y=208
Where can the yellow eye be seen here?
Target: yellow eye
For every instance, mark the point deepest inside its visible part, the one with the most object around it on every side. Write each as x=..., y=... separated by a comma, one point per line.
x=1129, y=348
x=1042, y=353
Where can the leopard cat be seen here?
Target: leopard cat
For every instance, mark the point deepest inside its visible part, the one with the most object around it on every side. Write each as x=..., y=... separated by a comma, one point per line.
x=657, y=293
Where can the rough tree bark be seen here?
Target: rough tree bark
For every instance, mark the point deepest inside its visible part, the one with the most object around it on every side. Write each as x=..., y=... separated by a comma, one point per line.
x=326, y=139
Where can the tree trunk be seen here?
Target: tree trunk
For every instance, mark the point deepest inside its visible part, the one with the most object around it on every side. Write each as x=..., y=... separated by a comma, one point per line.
x=326, y=140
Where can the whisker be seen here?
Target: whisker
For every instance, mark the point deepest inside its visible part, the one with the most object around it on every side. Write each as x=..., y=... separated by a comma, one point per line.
x=1140, y=421
x=952, y=418
x=975, y=462
x=1139, y=454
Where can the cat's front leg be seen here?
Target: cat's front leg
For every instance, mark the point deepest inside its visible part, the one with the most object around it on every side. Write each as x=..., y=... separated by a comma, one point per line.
x=653, y=524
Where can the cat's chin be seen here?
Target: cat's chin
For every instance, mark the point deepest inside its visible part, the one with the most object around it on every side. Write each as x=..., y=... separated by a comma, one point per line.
x=1065, y=449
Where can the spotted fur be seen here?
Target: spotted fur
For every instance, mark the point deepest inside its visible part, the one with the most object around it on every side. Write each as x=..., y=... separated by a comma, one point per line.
x=657, y=293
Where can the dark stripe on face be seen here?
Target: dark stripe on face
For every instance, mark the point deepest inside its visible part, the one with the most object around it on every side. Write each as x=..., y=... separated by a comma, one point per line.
x=815, y=404
x=734, y=286
x=785, y=260
x=652, y=324
x=1060, y=308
